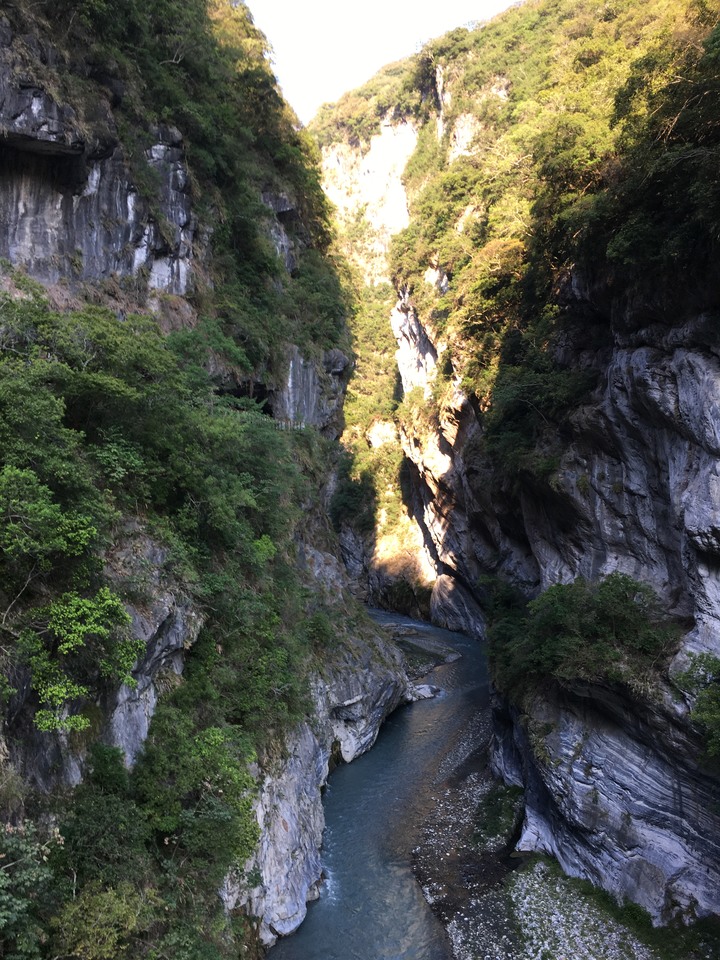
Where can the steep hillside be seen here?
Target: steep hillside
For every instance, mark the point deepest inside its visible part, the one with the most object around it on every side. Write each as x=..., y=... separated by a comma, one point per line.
x=556, y=289
x=178, y=649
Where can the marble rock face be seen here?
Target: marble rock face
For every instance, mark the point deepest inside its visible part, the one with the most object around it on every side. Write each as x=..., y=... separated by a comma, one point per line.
x=635, y=491
x=312, y=392
x=69, y=205
x=608, y=796
x=352, y=699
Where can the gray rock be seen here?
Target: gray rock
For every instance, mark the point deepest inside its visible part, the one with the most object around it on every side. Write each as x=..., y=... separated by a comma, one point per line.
x=313, y=392
x=166, y=622
x=454, y=608
x=352, y=699
x=424, y=691
x=607, y=796
x=69, y=206
x=416, y=354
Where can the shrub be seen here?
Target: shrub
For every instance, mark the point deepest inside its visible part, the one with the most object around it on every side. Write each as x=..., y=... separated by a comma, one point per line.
x=612, y=629
x=26, y=889
x=702, y=679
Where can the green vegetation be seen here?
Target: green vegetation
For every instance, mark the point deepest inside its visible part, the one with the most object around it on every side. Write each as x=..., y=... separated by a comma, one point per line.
x=611, y=630
x=115, y=441
x=133, y=426
x=369, y=475
x=586, y=130
x=357, y=115
x=26, y=887
x=498, y=817
x=671, y=146
x=702, y=679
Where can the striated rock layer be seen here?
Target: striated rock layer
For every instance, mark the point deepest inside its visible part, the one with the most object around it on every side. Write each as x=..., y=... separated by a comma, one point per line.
x=615, y=792
x=351, y=700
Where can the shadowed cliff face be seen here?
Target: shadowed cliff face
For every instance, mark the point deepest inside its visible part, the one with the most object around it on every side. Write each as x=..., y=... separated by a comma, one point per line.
x=616, y=786
x=619, y=478
x=633, y=489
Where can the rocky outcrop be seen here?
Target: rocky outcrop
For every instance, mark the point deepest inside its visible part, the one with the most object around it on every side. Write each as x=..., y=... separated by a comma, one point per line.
x=633, y=492
x=352, y=698
x=167, y=622
x=616, y=786
x=416, y=354
x=453, y=607
x=165, y=619
x=313, y=392
x=616, y=792
x=285, y=212
x=70, y=206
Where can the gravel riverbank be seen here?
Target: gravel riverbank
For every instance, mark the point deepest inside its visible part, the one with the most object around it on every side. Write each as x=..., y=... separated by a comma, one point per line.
x=496, y=905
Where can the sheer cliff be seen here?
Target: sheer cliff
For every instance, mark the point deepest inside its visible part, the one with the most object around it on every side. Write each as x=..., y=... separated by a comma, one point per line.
x=181, y=657
x=555, y=299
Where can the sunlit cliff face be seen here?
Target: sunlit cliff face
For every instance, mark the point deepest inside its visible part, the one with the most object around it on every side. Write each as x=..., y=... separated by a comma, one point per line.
x=368, y=191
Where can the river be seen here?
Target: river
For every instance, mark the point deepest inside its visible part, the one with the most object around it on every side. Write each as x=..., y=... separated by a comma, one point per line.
x=371, y=906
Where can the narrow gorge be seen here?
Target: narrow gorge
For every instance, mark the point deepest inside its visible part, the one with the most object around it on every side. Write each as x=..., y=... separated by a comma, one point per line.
x=450, y=352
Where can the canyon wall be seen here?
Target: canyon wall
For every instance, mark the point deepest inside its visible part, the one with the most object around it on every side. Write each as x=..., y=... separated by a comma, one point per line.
x=618, y=785
x=102, y=217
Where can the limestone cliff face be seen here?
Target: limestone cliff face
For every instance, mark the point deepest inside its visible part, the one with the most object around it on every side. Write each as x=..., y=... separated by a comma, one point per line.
x=312, y=392
x=166, y=620
x=367, y=189
x=69, y=205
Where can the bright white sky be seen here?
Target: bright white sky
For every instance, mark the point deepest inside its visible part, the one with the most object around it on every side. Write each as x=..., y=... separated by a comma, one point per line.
x=322, y=48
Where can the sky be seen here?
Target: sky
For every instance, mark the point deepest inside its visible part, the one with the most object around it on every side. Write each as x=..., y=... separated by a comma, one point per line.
x=322, y=48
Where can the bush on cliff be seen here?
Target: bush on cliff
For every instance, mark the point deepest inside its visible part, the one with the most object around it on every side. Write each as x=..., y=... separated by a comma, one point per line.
x=611, y=629
x=702, y=679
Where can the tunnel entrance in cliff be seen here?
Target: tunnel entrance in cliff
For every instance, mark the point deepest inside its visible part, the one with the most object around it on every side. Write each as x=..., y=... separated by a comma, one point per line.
x=25, y=158
x=250, y=390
